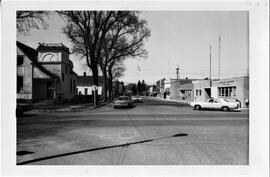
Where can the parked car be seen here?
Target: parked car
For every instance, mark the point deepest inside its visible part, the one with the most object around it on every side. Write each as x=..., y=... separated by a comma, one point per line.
x=136, y=98
x=211, y=103
x=123, y=101
x=22, y=107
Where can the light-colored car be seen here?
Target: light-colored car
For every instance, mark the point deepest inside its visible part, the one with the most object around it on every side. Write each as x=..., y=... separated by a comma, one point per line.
x=136, y=98
x=123, y=101
x=212, y=103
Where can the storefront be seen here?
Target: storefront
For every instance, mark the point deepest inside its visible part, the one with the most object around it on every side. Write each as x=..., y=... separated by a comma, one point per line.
x=232, y=89
x=186, y=92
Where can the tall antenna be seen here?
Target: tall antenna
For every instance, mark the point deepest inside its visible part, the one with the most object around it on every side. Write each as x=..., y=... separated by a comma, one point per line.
x=210, y=67
x=177, y=72
x=219, y=47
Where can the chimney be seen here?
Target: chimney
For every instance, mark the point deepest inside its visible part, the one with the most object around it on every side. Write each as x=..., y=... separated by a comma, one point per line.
x=84, y=73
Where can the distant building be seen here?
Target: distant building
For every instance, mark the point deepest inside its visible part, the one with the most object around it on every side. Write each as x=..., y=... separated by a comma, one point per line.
x=230, y=89
x=45, y=73
x=85, y=85
x=176, y=90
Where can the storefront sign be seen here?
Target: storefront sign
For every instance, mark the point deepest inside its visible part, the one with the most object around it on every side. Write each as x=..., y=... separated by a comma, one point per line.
x=226, y=82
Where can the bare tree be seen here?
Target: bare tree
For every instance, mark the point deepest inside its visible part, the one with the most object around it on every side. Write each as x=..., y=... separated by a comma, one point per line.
x=104, y=38
x=87, y=31
x=118, y=71
x=27, y=20
x=125, y=39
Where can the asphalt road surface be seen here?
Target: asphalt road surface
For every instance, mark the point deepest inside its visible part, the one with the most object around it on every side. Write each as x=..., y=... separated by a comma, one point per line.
x=155, y=132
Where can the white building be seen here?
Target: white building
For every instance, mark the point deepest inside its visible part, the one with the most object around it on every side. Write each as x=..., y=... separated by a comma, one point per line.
x=85, y=85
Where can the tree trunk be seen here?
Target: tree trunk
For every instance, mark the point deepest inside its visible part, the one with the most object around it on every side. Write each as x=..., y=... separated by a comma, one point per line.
x=110, y=84
x=105, y=84
x=95, y=79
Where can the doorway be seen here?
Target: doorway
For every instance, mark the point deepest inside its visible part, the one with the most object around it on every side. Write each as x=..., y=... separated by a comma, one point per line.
x=207, y=93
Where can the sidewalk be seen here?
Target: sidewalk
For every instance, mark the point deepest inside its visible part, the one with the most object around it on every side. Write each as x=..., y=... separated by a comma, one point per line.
x=68, y=107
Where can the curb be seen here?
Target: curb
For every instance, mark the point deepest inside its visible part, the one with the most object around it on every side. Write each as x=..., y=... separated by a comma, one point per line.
x=70, y=108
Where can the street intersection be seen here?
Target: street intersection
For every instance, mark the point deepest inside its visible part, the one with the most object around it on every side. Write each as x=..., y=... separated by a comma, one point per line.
x=155, y=132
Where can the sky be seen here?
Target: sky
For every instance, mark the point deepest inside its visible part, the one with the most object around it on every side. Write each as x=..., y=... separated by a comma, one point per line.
x=178, y=39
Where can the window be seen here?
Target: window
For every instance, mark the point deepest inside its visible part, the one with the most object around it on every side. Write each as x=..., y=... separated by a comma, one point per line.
x=19, y=60
x=228, y=92
x=198, y=92
x=63, y=77
x=85, y=91
x=19, y=84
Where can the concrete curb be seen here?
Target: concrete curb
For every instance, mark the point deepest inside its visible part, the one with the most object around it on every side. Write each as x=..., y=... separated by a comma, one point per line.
x=69, y=108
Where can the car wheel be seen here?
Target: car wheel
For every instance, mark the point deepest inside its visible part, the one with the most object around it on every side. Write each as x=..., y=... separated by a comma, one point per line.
x=197, y=107
x=225, y=108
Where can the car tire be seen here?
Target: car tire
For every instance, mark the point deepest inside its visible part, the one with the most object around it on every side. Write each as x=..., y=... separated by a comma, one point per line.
x=197, y=107
x=225, y=108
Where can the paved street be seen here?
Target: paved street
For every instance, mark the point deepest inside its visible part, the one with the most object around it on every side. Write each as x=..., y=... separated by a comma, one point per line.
x=155, y=132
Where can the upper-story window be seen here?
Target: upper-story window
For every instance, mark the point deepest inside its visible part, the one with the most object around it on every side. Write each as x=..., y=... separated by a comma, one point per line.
x=19, y=60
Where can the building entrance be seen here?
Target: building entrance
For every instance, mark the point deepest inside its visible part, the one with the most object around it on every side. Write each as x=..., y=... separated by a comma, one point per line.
x=207, y=93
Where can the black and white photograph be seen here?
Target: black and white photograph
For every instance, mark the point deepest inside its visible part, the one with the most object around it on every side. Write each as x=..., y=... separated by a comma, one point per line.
x=136, y=86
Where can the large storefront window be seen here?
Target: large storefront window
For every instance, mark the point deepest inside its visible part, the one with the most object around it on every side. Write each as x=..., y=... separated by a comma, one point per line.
x=229, y=92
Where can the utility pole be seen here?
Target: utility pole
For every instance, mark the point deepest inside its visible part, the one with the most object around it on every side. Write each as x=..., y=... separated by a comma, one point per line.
x=177, y=72
x=219, y=47
x=210, y=68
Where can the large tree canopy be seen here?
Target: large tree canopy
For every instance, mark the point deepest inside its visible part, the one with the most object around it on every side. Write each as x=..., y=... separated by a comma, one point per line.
x=105, y=38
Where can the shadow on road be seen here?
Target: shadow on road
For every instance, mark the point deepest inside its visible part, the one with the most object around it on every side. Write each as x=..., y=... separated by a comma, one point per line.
x=97, y=149
x=22, y=153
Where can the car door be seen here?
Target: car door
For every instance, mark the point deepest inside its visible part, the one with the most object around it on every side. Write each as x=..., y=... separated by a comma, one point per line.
x=216, y=104
x=208, y=104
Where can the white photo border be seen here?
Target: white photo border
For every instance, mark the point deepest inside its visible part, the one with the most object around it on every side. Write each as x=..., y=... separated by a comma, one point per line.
x=259, y=90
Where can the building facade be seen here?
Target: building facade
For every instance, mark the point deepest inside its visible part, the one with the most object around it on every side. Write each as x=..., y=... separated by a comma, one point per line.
x=230, y=89
x=201, y=90
x=85, y=85
x=176, y=90
x=187, y=92
x=45, y=73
